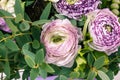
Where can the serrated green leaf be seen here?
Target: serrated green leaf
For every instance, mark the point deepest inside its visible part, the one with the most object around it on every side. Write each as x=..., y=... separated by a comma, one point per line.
x=19, y=8
x=102, y=75
x=43, y=73
x=18, y=18
x=7, y=69
x=46, y=11
x=33, y=74
x=36, y=44
x=11, y=45
x=62, y=77
x=91, y=75
x=39, y=57
x=99, y=62
x=74, y=75
x=24, y=26
x=40, y=22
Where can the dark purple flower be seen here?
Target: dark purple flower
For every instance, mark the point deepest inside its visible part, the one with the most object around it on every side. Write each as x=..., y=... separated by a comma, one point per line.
x=76, y=8
x=104, y=29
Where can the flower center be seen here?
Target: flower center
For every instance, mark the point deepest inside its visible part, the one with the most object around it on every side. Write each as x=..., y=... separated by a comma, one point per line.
x=57, y=38
x=71, y=1
x=108, y=28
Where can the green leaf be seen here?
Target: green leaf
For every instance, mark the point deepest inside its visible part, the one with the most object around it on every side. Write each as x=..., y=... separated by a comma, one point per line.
x=47, y=68
x=11, y=45
x=30, y=61
x=24, y=26
x=102, y=75
x=22, y=40
x=90, y=59
x=118, y=53
x=46, y=11
x=19, y=8
x=7, y=69
x=33, y=74
x=25, y=74
x=40, y=22
x=74, y=75
x=39, y=57
x=36, y=44
x=99, y=62
x=110, y=75
x=18, y=18
x=12, y=27
x=4, y=13
x=29, y=56
x=74, y=22
x=60, y=16
x=91, y=75
x=36, y=33
x=62, y=77
x=43, y=73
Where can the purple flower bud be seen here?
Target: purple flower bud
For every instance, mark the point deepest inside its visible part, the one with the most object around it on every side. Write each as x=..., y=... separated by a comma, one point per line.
x=104, y=29
x=76, y=8
x=4, y=26
x=60, y=38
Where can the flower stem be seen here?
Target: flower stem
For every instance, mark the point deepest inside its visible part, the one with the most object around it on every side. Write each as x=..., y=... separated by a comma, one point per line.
x=14, y=35
x=85, y=27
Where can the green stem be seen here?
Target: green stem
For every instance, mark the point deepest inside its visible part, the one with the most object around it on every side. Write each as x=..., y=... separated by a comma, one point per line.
x=85, y=26
x=114, y=59
x=14, y=35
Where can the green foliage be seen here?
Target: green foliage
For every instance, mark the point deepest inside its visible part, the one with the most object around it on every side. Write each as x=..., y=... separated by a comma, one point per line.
x=39, y=57
x=91, y=75
x=74, y=75
x=22, y=48
x=99, y=62
x=103, y=76
x=19, y=9
x=46, y=12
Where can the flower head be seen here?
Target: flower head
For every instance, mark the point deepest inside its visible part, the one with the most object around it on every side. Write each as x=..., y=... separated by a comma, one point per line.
x=76, y=8
x=104, y=29
x=60, y=38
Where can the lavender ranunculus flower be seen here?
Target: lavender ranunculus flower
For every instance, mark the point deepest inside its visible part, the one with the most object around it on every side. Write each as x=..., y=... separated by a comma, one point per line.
x=76, y=8
x=104, y=29
x=60, y=38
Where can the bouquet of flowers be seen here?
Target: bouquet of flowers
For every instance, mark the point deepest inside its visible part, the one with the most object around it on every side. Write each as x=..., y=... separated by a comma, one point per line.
x=70, y=39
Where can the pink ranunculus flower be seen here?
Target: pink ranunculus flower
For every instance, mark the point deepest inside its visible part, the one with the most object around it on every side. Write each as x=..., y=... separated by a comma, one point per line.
x=104, y=29
x=60, y=38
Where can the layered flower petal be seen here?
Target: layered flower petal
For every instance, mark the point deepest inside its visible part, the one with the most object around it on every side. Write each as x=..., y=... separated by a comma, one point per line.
x=104, y=29
x=60, y=38
x=76, y=8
